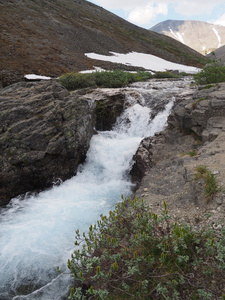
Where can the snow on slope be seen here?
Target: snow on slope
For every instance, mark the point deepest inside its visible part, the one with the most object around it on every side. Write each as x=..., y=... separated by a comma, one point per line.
x=147, y=61
x=177, y=35
x=218, y=36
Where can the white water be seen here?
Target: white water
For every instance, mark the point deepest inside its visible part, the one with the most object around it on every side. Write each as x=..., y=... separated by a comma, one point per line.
x=37, y=233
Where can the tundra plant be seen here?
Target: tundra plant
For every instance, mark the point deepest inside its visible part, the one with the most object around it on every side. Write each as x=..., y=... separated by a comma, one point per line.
x=211, y=186
x=213, y=72
x=135, y=254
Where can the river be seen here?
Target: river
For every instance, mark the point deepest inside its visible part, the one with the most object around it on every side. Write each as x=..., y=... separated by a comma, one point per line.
x=37, y=232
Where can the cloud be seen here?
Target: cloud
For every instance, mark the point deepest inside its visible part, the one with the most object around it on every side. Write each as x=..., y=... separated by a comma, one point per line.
x=182, y=6
x=121, y=4
x=144, y=11
x=145, y=14
x=190, y=7
x=220, y=21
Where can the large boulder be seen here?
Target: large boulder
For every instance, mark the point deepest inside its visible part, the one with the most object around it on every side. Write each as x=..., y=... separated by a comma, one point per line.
x=203, y=114
x=44, y=134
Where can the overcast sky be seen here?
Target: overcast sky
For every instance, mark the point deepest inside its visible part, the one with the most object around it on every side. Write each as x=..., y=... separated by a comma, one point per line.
x=147, y=13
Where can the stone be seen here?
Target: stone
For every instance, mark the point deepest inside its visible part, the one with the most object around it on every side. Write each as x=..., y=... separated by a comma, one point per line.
x=219, y=200
x=44, y=134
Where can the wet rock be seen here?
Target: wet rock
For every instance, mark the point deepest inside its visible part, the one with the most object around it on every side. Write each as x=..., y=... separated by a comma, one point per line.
x=44, y=134
x=142, y=159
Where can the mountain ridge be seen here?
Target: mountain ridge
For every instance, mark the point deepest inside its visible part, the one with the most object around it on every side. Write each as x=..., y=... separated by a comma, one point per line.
x=50, y=37
x=202, y=36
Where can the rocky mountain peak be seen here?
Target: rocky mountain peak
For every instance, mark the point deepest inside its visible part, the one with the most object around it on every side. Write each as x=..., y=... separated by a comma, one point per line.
x=201, y=36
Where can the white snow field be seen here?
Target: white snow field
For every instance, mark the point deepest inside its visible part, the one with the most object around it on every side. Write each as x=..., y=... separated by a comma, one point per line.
x=147, y=61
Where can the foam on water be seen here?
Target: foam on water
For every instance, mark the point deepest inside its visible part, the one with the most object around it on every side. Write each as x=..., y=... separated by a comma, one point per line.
x=37, y=233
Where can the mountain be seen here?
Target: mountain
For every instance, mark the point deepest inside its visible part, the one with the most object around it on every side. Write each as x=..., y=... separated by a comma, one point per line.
x=218, y=54
x=201, y=36
x=50, y=37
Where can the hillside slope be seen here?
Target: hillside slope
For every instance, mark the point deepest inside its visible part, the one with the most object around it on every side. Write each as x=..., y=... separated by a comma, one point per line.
x=50, y=37
x=218, y=54
x=201, y=36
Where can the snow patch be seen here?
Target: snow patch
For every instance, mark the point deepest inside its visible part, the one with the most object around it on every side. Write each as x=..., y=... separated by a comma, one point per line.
x=36, y=77
x=218, y=37
x=147, y=61
x=96, y=69
x=177, y=36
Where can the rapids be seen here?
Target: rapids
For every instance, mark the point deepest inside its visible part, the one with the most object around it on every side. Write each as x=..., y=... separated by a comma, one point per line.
x=37, y=232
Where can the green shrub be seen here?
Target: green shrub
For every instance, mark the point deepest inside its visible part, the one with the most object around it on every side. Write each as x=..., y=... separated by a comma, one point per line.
x=165, y=75
x=73, y=81
x=106, y=79
x=213, y=72
x=211, y=186
x=136, y=254
x=190, y=153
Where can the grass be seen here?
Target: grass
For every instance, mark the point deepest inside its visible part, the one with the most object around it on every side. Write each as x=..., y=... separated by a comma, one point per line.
x=211, y=186
x=190, y=153
x=194, y=104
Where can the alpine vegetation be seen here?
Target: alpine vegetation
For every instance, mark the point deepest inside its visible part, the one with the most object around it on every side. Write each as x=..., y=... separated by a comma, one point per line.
x=135, y=254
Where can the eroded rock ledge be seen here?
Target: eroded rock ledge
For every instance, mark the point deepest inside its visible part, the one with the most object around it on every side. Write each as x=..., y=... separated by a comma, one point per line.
x=197, y=123
x=39, y=123
x=45, y=132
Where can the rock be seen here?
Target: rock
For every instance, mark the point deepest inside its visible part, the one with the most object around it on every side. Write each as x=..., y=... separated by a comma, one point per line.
x=142, y=159
x=219, y=201
x=204, y=116
x=199, y=127
x=44, y=134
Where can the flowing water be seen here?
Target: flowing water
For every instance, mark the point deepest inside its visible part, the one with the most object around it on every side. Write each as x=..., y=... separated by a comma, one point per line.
x=37, y=233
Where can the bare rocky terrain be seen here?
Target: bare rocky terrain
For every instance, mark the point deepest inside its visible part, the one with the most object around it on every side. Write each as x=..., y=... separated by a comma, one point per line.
x=169, y=168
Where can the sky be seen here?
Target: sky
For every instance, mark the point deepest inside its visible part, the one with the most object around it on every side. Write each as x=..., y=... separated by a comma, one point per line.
x=147, y=13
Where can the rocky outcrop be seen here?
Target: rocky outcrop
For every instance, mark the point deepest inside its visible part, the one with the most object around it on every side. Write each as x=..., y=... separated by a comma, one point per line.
x=109, y=104
x=44, y=134
x=203, y=115
x=195, y=136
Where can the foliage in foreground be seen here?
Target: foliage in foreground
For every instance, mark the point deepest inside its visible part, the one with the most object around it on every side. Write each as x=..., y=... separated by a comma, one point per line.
x=108, y=79
x=213, y=72
x=136, y=254
x=211, y=186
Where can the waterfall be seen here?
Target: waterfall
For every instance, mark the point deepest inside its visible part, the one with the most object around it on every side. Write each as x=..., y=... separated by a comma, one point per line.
x=37, y=232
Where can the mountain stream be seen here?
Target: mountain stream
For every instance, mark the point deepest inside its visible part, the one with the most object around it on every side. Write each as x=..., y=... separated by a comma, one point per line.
x=37, y=232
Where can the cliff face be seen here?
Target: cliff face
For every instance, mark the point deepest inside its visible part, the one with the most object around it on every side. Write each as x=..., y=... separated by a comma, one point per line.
x=44, y=135
x=50, y=37
x=45, y=132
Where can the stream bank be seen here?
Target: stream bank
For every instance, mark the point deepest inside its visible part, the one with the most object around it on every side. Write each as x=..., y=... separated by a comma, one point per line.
x=196, y=127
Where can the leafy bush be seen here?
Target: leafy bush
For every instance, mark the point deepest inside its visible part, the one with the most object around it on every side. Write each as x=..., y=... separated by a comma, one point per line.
x=136, y=254
x=107, y=79
x=211, y=186
x=73, y=81
x=213, y=72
